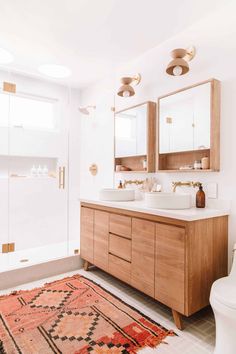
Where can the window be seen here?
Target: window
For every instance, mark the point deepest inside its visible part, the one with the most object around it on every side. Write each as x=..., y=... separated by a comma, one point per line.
x=27, y=112
x=32, y=113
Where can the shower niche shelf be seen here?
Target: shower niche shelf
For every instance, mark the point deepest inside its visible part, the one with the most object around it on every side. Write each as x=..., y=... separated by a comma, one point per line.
x=20, y=167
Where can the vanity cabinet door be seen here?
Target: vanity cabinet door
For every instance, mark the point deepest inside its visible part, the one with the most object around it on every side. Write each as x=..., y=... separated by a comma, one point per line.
x=143, y=255
x=86, y=234
x=101, y=234
x=170, y=266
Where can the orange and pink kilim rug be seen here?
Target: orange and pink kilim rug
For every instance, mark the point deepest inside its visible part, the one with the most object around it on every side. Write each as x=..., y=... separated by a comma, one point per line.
x=73, y=315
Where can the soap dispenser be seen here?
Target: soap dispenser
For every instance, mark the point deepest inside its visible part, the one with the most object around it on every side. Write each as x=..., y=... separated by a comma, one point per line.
x=120, y=185
x=200, y=198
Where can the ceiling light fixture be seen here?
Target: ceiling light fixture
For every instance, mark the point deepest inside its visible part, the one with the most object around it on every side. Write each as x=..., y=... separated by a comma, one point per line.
x=5, y=56
x=179, y=65
x=126, y=90
x=55, y=71
x=85, y=110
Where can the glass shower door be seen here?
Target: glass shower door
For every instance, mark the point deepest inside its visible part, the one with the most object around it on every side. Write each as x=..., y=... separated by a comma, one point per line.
x=38, y=180
x=4, y=148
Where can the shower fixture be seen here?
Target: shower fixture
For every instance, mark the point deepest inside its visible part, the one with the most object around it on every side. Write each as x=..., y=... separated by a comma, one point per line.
x=86, y=109
x=126, y=90
x=179, y=65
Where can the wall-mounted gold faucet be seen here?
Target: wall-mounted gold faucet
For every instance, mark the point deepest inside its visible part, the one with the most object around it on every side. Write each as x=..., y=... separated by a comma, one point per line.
x=188, y=184
x=136, y=181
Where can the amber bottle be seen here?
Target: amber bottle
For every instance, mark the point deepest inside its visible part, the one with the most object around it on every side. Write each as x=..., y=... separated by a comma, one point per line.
x=200, y=198
x=120, y=185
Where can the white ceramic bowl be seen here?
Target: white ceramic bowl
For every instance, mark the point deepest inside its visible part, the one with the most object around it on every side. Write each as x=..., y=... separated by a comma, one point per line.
x=117, y=195
x=161, y=200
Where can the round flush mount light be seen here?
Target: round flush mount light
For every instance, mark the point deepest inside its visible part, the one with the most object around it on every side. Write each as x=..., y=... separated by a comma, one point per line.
x=55, y=71
x=5, y=56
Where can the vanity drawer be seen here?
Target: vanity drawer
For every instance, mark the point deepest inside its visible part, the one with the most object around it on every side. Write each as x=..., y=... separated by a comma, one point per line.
x=120, y=246
x=120, y=268
x=120, y=225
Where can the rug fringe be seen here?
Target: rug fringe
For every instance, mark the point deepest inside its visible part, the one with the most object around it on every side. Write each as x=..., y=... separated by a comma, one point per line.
x=153, y=342
x=20, y=292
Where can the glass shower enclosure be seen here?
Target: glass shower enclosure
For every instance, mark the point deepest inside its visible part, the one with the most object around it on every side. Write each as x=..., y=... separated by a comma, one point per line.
x=33, y=174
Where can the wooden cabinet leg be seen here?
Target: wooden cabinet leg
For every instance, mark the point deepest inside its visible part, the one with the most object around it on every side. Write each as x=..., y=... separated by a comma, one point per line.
x=86, y=265
x=178, y=319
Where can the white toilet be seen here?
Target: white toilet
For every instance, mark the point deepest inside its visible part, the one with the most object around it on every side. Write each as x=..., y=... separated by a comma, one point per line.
x=223, y=302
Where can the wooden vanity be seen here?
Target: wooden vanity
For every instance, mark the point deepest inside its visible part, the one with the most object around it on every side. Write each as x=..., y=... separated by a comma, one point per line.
x=174, y=261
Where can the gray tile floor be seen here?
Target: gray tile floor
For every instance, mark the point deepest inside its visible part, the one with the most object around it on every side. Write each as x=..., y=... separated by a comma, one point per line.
x=197, y=338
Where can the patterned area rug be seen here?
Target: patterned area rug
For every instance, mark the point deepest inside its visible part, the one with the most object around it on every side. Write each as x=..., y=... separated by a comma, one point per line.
x=74, y=315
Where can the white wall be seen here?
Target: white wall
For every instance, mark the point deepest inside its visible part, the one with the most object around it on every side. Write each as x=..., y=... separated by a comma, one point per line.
x=97, y=143
x=214, y=38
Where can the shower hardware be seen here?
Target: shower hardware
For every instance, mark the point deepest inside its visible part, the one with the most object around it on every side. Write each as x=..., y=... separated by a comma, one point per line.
x=93, y=169
x=86, y=109
x=62, y=171
x=8, y=247
x=9, y=87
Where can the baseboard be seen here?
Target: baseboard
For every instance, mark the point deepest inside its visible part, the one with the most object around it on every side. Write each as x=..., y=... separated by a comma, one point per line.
x=24, y=275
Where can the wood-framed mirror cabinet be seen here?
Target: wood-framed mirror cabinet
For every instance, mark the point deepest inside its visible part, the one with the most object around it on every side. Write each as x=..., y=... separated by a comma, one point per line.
x=134, y=138
x=188, y=128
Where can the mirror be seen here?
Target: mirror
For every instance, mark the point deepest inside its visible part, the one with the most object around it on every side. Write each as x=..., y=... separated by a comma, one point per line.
x=131, y=132
x=135, y=138
x=185, y=120
x=189, y=128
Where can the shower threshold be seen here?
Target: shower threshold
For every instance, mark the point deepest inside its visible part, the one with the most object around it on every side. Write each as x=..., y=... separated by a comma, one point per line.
x=33, y=256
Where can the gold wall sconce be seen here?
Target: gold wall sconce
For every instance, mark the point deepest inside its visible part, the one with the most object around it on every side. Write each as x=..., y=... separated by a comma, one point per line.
x=179, y=65
x=126, y=90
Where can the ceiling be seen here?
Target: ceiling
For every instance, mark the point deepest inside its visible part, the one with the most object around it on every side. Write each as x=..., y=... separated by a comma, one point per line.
x=91, y=37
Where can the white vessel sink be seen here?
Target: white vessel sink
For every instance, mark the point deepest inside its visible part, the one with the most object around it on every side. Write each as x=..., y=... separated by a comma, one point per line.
x=168, y=200
x=117, y=195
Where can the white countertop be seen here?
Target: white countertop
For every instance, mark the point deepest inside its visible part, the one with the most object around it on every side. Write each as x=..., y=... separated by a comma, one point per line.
x=183, y=214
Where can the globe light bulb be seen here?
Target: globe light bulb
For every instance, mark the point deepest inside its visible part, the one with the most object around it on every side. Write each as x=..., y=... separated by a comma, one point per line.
x=126, y=94
x=177, y=71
